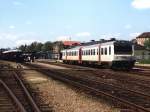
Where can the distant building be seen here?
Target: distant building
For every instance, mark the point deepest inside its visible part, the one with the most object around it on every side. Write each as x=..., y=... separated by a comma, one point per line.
x=141, y=53
x=59, y=45
x=142, y=38
x=64, y=44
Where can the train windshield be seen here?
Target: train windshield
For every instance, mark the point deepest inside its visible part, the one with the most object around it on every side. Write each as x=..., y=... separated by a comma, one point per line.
x=122, y=48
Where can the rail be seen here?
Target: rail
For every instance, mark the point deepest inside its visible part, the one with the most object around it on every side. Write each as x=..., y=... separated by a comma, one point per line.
x=14, y=98
x=137, y=108
x=36, y=109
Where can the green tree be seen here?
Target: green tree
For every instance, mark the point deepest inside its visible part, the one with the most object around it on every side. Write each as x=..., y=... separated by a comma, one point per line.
x=147, y=43
x=33, y=47
x=47, y=46
x=23, y=48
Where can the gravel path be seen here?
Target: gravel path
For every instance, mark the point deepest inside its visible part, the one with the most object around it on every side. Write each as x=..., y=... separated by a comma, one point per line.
x=63, y=98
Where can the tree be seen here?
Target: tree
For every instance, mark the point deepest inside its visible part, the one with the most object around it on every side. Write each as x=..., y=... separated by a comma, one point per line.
x=23, y=48
x=33, y=47
x=147, y=43
x=47, y=46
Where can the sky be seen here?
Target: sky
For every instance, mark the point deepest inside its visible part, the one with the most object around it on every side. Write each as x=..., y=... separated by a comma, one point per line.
x=25, y=21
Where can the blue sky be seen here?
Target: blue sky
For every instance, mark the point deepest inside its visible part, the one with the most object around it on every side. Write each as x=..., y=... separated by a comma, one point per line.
x=25, y=21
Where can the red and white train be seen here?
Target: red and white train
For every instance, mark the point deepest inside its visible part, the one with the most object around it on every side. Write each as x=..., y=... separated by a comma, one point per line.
x=115, y=54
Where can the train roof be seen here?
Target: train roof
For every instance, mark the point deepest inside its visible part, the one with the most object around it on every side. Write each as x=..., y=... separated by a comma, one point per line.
x=11, y=51
x=95, y=43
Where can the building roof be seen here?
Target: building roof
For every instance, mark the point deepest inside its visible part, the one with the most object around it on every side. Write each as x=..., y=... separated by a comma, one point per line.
x=144, y=35
x=71, y=43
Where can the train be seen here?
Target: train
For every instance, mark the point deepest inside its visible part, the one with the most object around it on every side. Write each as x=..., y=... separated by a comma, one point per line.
x=17, y=56
x=115, y=54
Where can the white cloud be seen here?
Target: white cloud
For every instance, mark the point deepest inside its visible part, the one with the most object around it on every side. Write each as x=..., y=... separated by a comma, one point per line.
x=17, y=3
x=108, y=36
x=134, y=35
x=128, y=26
x=8, y=36
x=10, y=39
x=141, y=4
x=27, y=42
x=63, y=38
x=12, y=27
x=83, y=34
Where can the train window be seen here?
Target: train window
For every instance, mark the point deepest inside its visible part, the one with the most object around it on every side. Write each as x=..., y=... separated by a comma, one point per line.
x=97, y=51
x=122, y=48
x=106, y=51
x=109, y=50
x=93, y=51
x=102, y=52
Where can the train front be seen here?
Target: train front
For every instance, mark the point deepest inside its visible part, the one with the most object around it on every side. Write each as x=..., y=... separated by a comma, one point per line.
x=123, y=55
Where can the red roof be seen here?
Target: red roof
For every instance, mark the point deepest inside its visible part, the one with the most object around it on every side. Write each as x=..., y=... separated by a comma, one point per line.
x=71, y=43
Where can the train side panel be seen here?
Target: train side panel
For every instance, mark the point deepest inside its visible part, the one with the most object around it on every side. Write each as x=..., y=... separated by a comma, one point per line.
x=90, y=53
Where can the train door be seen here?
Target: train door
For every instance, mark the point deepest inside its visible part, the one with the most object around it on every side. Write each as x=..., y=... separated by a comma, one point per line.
x=80, y=55
x=99, y=54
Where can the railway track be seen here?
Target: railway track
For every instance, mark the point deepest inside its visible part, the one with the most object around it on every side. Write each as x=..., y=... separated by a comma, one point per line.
x=21, y=101
x=139, y=102
x=142, y=71
x=141, y=83
x=8, y=101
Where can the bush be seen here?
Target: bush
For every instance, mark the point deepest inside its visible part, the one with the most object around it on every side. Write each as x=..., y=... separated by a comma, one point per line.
x=145, y=61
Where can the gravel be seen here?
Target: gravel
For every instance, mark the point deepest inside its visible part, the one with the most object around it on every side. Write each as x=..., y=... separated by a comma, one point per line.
x=63, y=98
